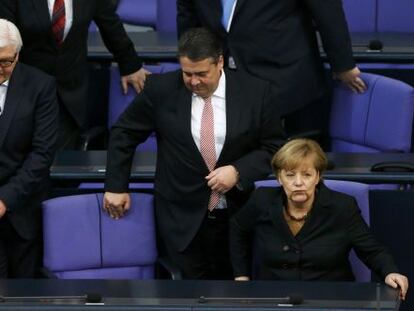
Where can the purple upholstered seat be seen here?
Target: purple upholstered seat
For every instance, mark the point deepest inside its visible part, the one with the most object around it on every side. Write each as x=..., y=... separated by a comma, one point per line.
x=361, y=194
x=166, y=16
x=361, y=15
x=395, y=16
x=379, y=120
x=138, y=12
x=83, y=242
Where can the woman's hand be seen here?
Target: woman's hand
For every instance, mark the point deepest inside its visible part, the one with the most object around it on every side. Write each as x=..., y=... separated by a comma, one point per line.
x=398, y=280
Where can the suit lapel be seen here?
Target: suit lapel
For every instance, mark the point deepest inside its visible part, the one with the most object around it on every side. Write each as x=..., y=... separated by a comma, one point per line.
x=78, y=11
x=184, y=120
x=237, y=8
x=13, y=97
x=41, y=9
x=319, y=216
x=276, y=215
x=216, y=15
x=233, y=100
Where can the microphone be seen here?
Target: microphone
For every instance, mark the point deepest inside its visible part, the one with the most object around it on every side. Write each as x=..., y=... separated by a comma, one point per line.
x=375, y=46
x=89, y=298
x=281, y=301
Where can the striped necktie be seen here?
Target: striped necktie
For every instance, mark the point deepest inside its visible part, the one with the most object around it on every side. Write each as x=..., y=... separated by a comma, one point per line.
x=58, y=21
x=208, y=145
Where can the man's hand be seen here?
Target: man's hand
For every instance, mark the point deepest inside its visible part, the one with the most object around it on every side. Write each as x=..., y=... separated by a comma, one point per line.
x=136, y=79
x=398, y=280
x=116, y=204
x=223, y=178
x=3, y=208
x=352, y=80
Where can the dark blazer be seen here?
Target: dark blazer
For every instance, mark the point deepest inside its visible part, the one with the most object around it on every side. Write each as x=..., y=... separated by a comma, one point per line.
x=69, y=62
x=181, y=193
x=275, y=40
x=28, y=128
x=318, y=252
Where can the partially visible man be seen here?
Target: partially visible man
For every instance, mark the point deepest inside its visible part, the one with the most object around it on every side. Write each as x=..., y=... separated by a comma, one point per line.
x=275, y=40
x=216, y=132
x=55, y=34
x=28, y=131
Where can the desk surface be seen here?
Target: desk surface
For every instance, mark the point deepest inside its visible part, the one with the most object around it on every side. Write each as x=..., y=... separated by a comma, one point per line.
x=152, y=45
x=90, y=166
x=185, y=295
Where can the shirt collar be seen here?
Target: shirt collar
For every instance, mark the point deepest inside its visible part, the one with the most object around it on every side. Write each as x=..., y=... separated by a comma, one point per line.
x=5, y=83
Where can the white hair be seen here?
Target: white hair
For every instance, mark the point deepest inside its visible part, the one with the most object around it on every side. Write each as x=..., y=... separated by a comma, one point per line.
x=10, y=35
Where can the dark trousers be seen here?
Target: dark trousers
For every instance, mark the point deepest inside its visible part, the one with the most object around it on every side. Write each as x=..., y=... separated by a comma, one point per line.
x=69, y=131
x=207, y=256
x=19, y=258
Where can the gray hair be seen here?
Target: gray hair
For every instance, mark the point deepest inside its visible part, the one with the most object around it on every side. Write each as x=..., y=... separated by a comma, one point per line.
x=10, y=35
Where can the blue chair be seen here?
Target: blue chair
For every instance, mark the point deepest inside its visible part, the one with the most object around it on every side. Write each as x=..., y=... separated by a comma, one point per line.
x=361, y=15
x=166, y=16
x=83, y=242
x=379, y=120
x=138, y=12
x=395, y=16
x=361, y=194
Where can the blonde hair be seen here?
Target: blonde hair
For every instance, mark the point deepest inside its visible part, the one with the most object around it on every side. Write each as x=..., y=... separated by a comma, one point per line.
x=295, y=151
x=10, y=35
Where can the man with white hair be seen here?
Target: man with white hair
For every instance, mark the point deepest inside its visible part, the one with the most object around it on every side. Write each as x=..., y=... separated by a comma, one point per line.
x=28, y=131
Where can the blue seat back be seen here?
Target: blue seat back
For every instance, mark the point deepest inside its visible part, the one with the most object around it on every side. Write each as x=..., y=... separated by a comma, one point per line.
x=83, y=242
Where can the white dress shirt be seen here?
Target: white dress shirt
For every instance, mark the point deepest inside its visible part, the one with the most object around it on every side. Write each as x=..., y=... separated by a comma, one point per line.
x=218, y=101
x=68, y=14
x=3, y=94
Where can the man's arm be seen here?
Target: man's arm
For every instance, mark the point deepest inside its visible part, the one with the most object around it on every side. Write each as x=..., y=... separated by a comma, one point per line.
x=331, y=23
x=186, y=16
x=120, y=45
x=132, y=128
x=39, y=159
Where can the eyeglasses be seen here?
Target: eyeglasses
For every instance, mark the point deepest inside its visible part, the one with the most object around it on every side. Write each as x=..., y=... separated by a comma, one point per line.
x=7, y=62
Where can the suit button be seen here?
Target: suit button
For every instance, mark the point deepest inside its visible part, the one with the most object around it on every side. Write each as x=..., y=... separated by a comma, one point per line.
x=286, y=248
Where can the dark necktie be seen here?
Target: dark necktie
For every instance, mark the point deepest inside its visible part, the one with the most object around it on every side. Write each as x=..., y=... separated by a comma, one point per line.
x=58, y=21
x=208, y=145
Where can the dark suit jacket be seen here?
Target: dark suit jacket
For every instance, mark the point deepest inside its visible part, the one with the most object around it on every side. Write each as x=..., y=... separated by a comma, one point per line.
x=275, y=40
x=69, y=62
x=253, y=134
x=318, y=252
x=28, y=128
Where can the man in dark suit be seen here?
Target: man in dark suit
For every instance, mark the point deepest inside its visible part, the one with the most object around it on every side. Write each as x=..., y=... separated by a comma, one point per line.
x=28, y=131
x=276, y=41
x=216, y=132
x=55, y=35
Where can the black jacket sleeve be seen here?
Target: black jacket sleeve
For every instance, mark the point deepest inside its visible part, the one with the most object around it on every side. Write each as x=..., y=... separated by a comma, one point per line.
x=133, y=127
x=115, y=37
x=367, y=248
x=330, y=21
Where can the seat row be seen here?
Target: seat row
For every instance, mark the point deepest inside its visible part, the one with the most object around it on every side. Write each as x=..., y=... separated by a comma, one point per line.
x=83, y=242
x=379, y=15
